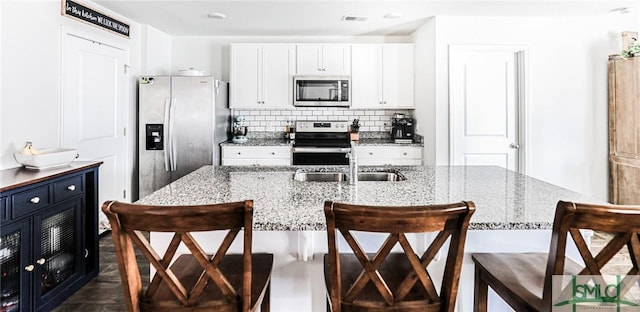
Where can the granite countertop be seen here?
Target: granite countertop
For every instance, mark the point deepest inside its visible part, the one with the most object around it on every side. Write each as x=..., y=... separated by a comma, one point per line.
x=383, y=142
x=504, y=199
x=260, y=142
x=285, y=142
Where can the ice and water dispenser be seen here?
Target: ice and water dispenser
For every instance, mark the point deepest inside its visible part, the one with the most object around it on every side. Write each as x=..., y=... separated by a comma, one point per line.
x=154, y=134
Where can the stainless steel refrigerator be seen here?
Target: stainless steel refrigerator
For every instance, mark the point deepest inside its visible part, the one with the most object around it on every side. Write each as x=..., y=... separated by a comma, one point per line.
x=181, y=122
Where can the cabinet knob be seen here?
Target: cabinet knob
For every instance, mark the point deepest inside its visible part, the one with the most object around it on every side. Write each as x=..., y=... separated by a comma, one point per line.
x=71, y=187
x=273, y=153
x=86, y=253
x=29, y=268
x=41, y=261
x=370, y=153
x=405, y=153
x=35, y=200
x=239, y=153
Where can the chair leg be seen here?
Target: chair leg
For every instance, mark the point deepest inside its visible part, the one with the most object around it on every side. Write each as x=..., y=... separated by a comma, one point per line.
x=266, y=301
x=480, y=292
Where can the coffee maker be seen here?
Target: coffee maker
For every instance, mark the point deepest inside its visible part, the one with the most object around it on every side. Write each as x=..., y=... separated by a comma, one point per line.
x=239, y=130
x=402, y=129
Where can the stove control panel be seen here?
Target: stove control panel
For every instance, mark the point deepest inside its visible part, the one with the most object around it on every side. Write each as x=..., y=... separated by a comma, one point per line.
x=322, y=126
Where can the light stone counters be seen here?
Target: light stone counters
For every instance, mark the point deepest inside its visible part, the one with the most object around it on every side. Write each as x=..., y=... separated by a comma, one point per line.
x=260, y=142
x=278, y=141
x=514, y=214
x=383, y=142
x=505, y=200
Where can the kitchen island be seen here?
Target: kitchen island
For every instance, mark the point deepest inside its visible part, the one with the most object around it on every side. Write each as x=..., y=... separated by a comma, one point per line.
x=514, y=214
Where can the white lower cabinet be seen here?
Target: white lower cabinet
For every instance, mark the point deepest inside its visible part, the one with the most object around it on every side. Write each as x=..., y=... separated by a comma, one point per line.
x=389, y=155
x=256, y=155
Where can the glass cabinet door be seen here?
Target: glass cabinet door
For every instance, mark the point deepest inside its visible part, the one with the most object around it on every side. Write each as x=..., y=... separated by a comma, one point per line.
x=14, y=254
x=57, y=259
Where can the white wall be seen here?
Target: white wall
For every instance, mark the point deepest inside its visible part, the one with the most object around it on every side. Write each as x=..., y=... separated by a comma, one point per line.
x=155, y=51
x=31, y=76
x=567, y=90
x=424, y=87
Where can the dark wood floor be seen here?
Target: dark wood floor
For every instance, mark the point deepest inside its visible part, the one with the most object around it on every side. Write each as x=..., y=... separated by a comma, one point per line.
x=104, y=292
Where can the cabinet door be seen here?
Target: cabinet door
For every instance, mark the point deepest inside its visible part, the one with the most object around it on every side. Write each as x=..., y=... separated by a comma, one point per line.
x=277, y=71
x=245, y=76
x=57, y=250
x=309, y=59
x=366, y=76
x=336, y=59
x=15, y=270
x=397, y=75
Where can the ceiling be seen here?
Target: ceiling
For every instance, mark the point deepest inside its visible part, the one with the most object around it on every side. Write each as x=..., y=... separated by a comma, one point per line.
x=324, y=18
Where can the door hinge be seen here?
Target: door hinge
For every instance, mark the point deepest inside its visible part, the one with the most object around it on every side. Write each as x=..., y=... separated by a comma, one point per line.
x=124, y=194
x=126, y=68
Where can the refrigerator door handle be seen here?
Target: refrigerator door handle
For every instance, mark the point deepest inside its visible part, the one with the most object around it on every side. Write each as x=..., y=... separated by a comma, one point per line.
x=167, y=134
x=172, y=139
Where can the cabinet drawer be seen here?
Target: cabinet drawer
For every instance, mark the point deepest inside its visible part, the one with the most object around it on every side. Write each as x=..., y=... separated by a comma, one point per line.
x=374, y=152
x=67, y=188
x=253, y=152
x=26, y=202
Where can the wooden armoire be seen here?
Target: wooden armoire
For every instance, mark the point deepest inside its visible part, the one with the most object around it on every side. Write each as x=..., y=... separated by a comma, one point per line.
x=624, y=130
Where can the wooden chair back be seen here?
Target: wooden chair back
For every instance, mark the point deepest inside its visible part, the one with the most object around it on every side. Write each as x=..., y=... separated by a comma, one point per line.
x=128, y=221
x=450, y=221
x=570, y=218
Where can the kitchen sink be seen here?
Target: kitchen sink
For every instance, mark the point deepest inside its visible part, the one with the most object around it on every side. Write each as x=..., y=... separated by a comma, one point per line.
x=379, y=176
x=319, y=176
x=323, y=176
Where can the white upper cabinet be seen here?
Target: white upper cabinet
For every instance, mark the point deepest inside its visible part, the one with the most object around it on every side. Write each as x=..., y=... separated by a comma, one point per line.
x=382, y=76
x=323, y=59
x=261, y=74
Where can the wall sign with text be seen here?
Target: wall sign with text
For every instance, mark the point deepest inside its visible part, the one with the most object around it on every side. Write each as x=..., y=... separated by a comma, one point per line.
x=88, y=15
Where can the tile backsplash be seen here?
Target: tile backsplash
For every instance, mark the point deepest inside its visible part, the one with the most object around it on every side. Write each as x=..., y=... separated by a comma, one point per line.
x=275, y=120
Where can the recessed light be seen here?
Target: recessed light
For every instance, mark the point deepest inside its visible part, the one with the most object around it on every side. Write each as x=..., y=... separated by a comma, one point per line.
x=393, y=16
x=217, y=15
x=621, y=10
x=352, y=18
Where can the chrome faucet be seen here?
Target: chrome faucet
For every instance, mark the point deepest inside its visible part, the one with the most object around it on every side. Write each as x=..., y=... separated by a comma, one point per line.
x=353, y=165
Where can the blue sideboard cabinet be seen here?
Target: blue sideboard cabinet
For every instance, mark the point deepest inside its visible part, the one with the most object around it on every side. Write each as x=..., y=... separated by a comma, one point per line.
x=48, y=234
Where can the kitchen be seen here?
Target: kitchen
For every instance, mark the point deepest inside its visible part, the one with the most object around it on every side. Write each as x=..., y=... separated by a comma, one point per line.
x=32, y=43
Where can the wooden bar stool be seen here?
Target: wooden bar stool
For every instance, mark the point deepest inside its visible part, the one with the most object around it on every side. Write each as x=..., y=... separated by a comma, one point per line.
x=390, y=281
x=195, y=281
x=525, y=282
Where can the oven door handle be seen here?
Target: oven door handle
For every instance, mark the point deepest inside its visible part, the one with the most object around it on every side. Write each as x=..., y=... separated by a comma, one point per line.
x=321, y=150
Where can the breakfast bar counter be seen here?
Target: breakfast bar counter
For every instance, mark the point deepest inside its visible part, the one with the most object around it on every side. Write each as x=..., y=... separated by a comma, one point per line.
x=505, y=199
x=514, y=213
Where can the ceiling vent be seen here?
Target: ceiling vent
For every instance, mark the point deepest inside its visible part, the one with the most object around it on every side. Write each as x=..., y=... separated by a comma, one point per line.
x=351, y=18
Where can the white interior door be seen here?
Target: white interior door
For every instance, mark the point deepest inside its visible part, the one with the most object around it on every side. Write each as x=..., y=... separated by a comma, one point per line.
x=94, y=112
x=485, y=93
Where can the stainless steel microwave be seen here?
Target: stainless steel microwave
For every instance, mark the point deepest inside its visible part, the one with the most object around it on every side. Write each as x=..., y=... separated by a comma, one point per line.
x=321, y=91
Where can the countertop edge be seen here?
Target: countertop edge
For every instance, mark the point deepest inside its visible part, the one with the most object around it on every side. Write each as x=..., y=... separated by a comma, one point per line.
x=10, y=181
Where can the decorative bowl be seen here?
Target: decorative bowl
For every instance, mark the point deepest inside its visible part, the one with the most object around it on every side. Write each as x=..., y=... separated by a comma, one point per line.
x=47, y=158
